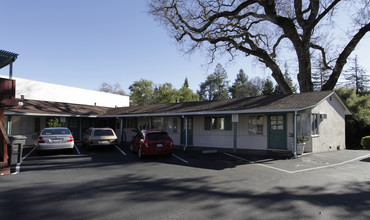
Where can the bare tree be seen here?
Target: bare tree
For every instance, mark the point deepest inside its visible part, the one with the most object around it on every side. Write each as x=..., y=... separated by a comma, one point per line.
x=115, y=89
x=267, y=29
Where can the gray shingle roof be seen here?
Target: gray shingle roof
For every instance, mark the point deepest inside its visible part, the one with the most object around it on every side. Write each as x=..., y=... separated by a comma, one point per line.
x=271, y=103
x=250, y=104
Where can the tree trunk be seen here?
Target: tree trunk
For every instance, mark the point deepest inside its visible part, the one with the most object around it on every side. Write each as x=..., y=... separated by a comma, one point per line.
x=304, y=75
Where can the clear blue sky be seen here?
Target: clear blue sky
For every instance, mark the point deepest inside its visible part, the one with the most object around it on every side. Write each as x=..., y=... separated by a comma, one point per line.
x=83, y=43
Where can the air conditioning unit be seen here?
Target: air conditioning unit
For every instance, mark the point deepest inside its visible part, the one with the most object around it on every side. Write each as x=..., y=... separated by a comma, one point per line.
x=323, y=116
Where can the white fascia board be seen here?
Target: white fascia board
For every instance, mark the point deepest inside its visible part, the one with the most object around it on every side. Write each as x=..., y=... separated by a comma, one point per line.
x=205, y=113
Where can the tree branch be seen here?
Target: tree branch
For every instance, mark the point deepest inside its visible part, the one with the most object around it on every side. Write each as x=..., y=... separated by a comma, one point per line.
x=317, y=47
x=342, y=59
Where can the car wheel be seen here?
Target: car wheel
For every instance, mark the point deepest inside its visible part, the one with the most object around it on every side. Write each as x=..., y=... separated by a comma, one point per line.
x=139, y=153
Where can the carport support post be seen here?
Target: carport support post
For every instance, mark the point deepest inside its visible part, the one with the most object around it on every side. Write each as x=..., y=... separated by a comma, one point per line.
x=295, y=135
x=235, y=119
x=186, y=133
x=235, y=125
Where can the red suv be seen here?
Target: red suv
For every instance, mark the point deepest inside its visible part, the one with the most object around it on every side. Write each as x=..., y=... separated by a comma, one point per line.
x=152, y=142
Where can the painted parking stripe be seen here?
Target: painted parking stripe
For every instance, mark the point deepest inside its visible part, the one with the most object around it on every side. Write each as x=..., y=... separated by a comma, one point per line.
x=185, y=161
x=303, y=170
x=18, y=166
x=29, y=153
x=314, y=168
x=333, y=165
x=122, y=152
x=237, y=157
x=78, y=151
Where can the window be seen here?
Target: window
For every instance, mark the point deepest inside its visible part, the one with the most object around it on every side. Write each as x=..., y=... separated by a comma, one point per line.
x=217, y=123
x=174, y=125
x=157, y=123
x=37, y=125
x=131, y=123
x=158, y=137
x=303, y=125
x=255, y=125
x=165, y=123
x=103, y=133
x=277, y=122
x=315, y=122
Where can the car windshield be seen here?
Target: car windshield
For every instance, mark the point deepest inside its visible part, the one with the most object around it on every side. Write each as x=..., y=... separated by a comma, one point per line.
x=103, y=133
x=56, y=131
x=158, y=137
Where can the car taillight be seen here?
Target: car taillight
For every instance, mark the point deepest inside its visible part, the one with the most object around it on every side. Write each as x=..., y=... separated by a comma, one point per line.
x=70, y=139
x=40, y=140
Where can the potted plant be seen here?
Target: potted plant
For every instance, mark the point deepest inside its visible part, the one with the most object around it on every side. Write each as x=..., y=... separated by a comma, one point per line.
x=301, y=142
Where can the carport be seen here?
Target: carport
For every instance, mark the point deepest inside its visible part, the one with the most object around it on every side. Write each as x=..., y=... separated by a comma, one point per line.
x=7, y=99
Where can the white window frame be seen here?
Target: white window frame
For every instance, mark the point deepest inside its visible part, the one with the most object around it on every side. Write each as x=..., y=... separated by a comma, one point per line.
x=255, y=124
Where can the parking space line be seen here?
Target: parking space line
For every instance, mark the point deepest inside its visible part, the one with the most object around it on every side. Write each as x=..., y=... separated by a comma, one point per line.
x=78, y=151
x=185, y=161
x=29, y=153
x=314, y=168
x=18, y=166
x=237, y=157
x=118, y=148
x=332, y=165
x=275, y=168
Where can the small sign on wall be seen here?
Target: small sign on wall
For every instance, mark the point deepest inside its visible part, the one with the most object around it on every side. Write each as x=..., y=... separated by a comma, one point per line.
x=63, y=119
x=235, y=118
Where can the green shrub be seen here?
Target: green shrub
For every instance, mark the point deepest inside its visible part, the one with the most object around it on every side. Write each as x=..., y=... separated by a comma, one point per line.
x=365, y=142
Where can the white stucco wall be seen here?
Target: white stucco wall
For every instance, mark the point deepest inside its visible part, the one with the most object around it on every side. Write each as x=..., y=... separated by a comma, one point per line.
x=36, y=90
x=331, y=130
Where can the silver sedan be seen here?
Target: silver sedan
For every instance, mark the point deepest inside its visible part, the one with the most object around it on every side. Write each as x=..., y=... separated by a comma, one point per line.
x=55, y=138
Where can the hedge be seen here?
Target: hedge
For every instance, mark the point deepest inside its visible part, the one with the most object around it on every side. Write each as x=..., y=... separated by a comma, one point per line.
x=365, y=142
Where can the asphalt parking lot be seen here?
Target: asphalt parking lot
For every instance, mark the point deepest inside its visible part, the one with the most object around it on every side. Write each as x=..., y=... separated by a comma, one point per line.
x=115, y=184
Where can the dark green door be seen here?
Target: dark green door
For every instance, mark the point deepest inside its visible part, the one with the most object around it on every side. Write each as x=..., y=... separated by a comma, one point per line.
x=190, y=130
x=277, y=132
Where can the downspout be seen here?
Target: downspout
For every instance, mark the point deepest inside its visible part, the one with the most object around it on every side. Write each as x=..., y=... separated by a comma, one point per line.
x=80, y=129
x=122, y=131
x=9, y=121
x=295, y=135
x=186, y=133
x=9, y=126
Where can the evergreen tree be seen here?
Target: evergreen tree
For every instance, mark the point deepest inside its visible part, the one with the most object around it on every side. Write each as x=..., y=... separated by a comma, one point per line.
x=243, y=87
x=216, y=86
x=320, y=76
x=185, y=94
x=186, y=82
x=356, y=76
x=268, y=88
x=288, y=80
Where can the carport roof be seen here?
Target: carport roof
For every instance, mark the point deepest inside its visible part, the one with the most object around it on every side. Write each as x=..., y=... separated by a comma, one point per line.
x=46, y=108
x=6, y=58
